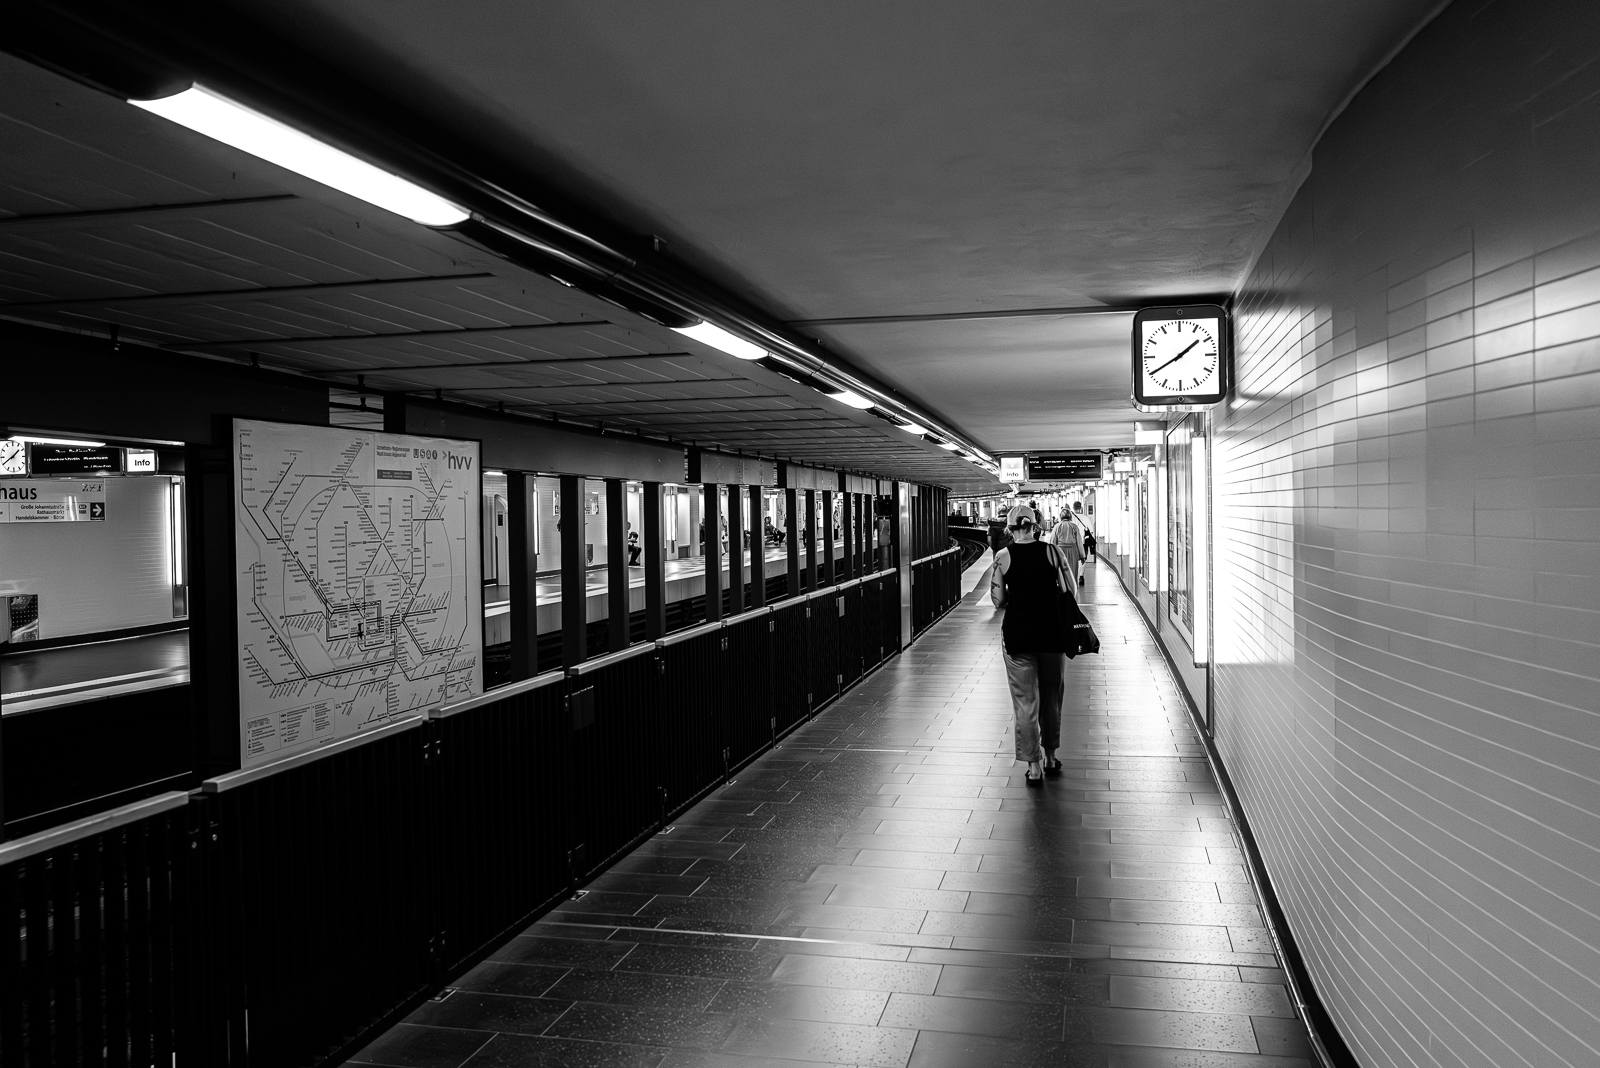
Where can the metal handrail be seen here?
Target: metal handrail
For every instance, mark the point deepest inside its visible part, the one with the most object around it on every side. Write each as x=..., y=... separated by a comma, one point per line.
x=607, y=659
x=89, y=826
x=246, y=776
x=935, y=556
x=501, y=693
x=691, y=632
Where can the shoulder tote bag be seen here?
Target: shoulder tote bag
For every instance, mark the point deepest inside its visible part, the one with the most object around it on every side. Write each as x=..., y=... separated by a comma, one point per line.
x=1076, y=634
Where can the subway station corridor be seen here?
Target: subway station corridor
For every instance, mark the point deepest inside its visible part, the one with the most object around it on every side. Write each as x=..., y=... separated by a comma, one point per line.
x=884, y=890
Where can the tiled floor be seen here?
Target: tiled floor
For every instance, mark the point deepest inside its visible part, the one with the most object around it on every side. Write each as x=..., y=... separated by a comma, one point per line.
x=883, y=890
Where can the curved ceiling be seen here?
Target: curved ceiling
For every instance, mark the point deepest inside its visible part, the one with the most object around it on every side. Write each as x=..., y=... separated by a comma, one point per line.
x=844, y=160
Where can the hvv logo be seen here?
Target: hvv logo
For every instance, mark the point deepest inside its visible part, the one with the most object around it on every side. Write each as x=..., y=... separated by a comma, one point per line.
x=459, y=463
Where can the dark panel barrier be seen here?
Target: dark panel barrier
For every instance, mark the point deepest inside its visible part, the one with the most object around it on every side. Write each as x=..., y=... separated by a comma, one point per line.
x=747, y=669
x=935, y=586
x=824, y=605
x=693, y=735
x=889, y=612
x=93, y=969
x=616, y=739
x=791, y=665
x=850, y=658
x=277, y=916
x=498, y=767
x=326, y=895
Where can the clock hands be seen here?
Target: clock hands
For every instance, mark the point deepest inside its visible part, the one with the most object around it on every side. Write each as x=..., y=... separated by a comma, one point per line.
x=1178, y=357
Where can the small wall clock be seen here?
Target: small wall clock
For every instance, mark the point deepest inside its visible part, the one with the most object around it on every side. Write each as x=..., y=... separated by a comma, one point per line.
x=1182, y=357
x=13, y=457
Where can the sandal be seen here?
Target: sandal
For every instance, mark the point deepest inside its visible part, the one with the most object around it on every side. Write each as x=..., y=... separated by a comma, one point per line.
x=1052, y=768
x=1033, y=780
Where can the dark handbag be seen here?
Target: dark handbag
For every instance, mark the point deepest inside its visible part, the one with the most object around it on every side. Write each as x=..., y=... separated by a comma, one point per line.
x=1077, y=636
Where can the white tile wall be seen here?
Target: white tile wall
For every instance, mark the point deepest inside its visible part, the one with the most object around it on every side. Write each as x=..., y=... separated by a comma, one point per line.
x=1407, y=686
x=100, y=576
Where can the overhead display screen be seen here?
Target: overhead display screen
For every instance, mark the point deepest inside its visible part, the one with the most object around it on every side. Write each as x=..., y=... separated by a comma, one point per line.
x=1064, y=467
x=360, y=597
x=73, y=459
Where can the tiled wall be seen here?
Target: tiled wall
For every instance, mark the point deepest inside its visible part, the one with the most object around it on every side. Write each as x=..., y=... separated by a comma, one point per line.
x=1407, y=604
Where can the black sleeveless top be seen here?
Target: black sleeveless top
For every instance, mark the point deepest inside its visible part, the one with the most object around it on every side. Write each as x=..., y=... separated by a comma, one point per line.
x=1031, y=624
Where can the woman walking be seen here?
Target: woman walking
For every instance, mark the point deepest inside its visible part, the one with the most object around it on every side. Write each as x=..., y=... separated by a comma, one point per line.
x=1027, y=578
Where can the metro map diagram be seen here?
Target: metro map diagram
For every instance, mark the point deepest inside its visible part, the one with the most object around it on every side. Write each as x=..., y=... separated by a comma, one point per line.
x=358, y=581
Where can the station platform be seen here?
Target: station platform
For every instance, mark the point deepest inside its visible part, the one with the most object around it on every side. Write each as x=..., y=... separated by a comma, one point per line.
x=882, y=889
x=33, y=680
x=684, y=579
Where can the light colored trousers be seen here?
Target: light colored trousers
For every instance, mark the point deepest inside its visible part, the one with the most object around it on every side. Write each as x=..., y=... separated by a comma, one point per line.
x=1038, y=685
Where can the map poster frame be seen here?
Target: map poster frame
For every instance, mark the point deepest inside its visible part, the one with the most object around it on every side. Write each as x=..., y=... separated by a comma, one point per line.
x=358, y=581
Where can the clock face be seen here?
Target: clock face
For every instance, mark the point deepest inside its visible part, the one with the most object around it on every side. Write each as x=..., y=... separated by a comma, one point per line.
x=13, y=458
x=1180, y=357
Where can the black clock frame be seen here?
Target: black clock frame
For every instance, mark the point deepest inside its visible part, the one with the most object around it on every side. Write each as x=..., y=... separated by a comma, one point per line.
x=1183, y=401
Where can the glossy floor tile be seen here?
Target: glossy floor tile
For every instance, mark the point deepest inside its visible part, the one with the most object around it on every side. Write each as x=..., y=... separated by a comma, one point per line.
x=884, y=890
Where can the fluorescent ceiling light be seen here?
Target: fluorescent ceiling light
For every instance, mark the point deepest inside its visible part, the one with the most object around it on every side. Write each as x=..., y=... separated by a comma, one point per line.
x=230, y=122
x=57, y=441
x=914, y=428
x=855, y=400
x=722, y=341
x=947, y=445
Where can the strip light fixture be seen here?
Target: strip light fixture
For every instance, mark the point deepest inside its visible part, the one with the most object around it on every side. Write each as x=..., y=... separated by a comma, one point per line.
x=719, y=339
x=223, y=119
x=30, y=439
x=853, y=399
x=208, y=112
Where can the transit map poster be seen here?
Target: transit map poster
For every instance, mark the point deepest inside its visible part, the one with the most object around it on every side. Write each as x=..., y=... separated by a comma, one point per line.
x=359, y=594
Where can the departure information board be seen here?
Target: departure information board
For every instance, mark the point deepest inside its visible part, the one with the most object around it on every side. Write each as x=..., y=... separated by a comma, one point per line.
x=1064, y=467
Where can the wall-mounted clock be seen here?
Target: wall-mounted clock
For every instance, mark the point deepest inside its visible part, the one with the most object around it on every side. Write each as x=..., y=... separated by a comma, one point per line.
x=1182, y=357
x=13, y=457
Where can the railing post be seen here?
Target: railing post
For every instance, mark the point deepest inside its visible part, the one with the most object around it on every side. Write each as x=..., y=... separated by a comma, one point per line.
x=758, y=551
x=713, y=553
x=655, y=584
x=574, y=573
x=617, y=564
x=791, y=537
x=811, y=539
x=735, y=551
x=827, y=538
x=524, y=565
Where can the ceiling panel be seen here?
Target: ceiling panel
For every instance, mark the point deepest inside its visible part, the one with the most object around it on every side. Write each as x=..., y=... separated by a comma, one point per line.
x=122, y=220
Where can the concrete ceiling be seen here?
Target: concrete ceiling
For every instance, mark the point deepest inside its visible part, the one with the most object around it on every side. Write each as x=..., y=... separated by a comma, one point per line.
x=840, y=159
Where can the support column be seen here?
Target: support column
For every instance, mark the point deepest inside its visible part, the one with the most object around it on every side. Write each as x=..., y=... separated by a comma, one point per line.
x=521, y=515
x=655, y=583
x=735, y=552
x=827, y=538
x=863, y=542
x=713, y=557
x=617, y=564
x=574, y=591
x=758, y=551
x=811, y=539
x=901, y=543
x=791, y=538
x=848, y=531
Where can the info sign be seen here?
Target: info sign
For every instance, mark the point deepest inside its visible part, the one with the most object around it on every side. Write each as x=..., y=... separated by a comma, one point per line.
x=1013, y=469
x=37, y=500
